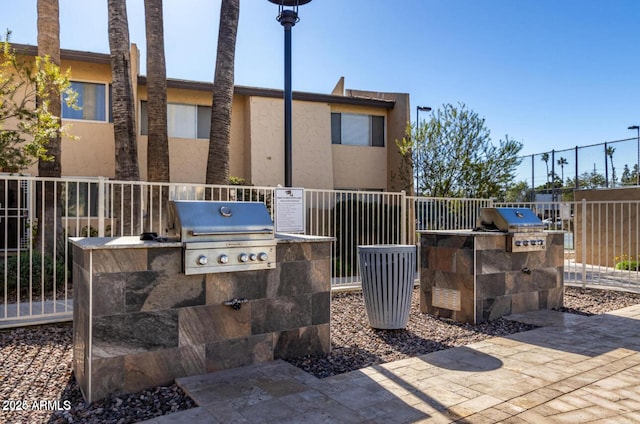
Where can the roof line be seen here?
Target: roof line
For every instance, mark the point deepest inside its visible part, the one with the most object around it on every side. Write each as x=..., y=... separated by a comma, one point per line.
x=83, y=56
x=278, y=94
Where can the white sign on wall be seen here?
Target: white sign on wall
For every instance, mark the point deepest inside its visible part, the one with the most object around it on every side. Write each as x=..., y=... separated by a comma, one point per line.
x=290, y=216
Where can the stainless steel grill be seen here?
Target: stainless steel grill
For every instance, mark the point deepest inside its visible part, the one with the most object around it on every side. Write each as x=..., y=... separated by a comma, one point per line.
x=223, y=236
x=524, y=229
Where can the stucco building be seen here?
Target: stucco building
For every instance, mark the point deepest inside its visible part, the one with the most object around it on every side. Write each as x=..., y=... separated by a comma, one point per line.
x=342, y=140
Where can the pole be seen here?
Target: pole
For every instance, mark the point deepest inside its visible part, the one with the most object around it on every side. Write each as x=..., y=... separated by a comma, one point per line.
x=288, y=20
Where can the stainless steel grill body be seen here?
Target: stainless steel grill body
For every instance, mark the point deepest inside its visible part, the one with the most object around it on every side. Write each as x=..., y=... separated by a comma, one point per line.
x=224, y=236
x=524, y=229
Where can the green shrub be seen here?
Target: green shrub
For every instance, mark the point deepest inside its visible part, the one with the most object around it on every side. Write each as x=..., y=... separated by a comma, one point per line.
x=627, y=265
x=40, y=267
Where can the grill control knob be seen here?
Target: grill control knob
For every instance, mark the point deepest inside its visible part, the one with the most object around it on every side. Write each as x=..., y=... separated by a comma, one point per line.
x=253, y=257
x=525, y=242
x=541, y=242
x=518, y=243
x=223, y=259
x=243, y=257
x=263, y=256
x=202, y=260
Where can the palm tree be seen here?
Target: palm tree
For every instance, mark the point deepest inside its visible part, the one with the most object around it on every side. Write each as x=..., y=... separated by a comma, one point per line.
x=122, y=93
x=158, y=141
x=49, y=45
x=610, y=150
x=124, y=127
x=220, y=133
x=562, y=162
x=545, y=159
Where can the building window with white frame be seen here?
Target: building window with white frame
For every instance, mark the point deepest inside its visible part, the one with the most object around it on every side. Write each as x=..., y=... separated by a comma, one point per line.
x=91, y=102
x=357, y=130
x=183, y=121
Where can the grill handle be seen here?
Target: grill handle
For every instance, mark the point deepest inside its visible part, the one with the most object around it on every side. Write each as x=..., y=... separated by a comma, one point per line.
x=216, y=233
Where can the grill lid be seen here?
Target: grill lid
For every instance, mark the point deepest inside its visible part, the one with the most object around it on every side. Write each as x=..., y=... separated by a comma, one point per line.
x=509, y=220
x=199, y=220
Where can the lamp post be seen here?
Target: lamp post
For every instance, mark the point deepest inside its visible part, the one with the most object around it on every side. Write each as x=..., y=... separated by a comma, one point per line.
x=288, y=17
x=417, y=153
x=637, y=128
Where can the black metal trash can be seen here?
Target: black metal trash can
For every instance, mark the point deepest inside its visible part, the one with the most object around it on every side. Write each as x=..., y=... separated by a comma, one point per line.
x=387, y=272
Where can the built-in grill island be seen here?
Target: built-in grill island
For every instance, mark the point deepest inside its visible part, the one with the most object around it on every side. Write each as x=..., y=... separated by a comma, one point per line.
x=507, y=264
x=221, y=291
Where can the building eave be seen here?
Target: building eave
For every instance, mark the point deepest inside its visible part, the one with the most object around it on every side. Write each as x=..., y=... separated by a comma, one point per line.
x=277, y=94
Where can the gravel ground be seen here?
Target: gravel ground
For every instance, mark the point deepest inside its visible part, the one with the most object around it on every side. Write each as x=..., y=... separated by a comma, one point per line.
x=36, y=361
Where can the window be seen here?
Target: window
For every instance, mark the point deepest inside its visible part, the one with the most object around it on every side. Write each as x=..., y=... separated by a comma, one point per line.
x=92, y=102
x=183, y=121
x=80, y=199
x=357, y=130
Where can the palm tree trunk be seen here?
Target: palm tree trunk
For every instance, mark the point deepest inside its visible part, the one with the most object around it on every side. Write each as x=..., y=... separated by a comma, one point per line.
x=158, y=140
x=124, y=128
x=48, y=210
x=220, y=135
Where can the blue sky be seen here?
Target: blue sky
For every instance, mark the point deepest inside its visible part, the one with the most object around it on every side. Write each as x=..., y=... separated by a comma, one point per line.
x=552, y=74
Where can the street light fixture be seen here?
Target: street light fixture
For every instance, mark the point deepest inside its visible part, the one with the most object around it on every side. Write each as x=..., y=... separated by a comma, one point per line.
x=637, y=128
x=417, y=153
x=288, y=17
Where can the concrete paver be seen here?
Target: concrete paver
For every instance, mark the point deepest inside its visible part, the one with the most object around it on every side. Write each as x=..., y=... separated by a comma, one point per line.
x=573, y=369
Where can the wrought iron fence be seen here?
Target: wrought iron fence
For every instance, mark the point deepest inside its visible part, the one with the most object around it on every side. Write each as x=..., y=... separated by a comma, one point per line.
x=38, y=215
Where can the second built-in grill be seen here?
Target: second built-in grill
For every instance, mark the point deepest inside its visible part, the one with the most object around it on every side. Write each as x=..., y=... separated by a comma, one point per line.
x=223, y=236
x=524, y=229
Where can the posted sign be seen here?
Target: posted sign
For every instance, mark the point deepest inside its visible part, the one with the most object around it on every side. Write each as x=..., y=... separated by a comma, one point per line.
x=289, y=210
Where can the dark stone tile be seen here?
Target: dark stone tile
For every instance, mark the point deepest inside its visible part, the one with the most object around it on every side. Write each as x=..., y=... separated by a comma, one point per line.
x=213, y=323
x=493, y=308
x=81, y=346
x=464, y=262
x=107, y=377
x=295, y=279
x=428, y=240
x=321, y=308
x=291, y=252
x=320, y=275
x=80, y=256
x=157, y=290
x=455, y=241
x=494, y=261
x=80, y=287
x=320, y=250
x=119, y=260
x=221, y=287
x=303, y=341
x=524, y=302
x=138, y=285
x=490, y=285
x=490, y=242
x=531, y=260
x=239, y=352
x=168, y=259
x=287, y=313
x=555, y=298
x=117, y=335
x=159, y=368
x=108, y=293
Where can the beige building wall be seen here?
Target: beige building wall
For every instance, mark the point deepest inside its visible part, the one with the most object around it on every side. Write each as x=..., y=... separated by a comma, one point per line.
x=257, y=134
x=360, y=167
x=311, y=143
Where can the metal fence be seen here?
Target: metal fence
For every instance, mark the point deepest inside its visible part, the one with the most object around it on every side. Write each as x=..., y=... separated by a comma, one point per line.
x=38, y=215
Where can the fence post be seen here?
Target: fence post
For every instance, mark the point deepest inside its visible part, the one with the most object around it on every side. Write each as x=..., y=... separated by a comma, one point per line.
x=403, y=217
x=101, y=204
x=584, y=242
